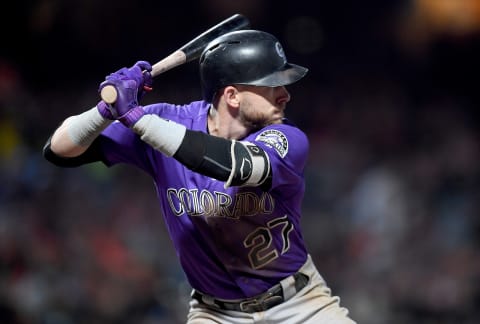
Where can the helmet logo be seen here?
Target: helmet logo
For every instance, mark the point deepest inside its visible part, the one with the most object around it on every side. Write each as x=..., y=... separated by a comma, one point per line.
x=280, y=52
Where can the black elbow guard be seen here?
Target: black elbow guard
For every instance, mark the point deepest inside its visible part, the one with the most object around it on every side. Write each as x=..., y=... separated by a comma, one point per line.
x=238, y=163
x=250, y=165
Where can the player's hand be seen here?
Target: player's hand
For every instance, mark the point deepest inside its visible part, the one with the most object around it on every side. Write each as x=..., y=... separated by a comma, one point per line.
x=147, y=80
x=131, y=84
x=139, y=72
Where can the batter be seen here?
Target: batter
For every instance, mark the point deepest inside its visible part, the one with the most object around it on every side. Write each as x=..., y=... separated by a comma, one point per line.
x=229, y=173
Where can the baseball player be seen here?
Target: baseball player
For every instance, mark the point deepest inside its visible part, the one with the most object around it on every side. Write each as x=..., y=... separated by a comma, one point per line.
x=229, y=176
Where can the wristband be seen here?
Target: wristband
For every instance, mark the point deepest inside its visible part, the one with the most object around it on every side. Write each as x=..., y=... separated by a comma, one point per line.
x=84, y=128
x=163, y=135
x=132, y=116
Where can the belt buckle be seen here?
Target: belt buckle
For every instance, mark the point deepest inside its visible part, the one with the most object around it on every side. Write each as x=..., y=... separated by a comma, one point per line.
x=261, y=303
x=251, y=305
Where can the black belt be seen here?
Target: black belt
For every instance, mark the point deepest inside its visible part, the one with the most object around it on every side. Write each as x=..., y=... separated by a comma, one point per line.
x=260, y=303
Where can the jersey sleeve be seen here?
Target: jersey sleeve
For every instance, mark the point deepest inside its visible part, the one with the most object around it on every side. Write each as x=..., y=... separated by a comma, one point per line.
x=287, y=148
x=120, y=144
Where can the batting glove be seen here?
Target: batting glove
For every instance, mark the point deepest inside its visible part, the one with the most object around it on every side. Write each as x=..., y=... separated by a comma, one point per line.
x=131, y=85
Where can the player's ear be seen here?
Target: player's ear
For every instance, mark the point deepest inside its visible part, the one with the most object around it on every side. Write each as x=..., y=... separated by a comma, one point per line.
x=231, y=95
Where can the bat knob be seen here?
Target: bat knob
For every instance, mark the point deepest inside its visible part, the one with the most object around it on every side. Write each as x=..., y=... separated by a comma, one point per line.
x=109, y=94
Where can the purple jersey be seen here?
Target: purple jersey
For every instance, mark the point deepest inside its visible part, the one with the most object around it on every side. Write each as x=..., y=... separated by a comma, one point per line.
x=232, y=243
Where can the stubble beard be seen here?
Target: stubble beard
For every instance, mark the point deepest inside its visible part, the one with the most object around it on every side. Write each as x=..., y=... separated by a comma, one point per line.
x=257, y=121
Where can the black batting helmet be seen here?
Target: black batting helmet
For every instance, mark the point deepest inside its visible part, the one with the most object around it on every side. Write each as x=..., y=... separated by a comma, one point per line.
x=248, y=57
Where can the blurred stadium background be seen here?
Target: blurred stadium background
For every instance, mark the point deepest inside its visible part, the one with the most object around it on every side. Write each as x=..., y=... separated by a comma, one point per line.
x=391, y=106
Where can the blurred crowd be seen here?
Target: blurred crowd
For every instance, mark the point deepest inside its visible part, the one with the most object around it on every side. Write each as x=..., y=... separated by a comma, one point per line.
x=392, y=205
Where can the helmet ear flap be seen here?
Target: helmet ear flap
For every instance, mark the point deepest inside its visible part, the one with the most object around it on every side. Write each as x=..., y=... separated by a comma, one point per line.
x=249, y=57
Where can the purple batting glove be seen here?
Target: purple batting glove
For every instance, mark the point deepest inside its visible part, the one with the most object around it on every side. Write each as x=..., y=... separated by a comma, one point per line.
x=131, y=84
x=126, y=108
x=139, y=72
x=147, y=78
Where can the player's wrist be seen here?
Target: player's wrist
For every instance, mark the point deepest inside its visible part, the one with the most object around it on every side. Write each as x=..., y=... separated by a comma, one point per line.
x=128, y=119
x=132, y=116
x=105, y=110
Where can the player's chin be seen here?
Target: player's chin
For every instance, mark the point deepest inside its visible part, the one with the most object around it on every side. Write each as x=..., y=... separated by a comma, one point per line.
x=278, y=117
x=276, y=120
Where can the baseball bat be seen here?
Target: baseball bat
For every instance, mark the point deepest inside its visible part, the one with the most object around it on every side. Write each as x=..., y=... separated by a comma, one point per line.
x=188, y=52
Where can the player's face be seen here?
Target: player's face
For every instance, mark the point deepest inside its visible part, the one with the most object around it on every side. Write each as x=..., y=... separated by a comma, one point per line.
x=262, y=106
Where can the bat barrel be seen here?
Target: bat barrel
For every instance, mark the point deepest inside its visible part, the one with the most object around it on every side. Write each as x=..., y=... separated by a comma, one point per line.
x=194, y=48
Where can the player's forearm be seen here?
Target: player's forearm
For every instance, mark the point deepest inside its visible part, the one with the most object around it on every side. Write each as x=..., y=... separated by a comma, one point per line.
x=161, y=134
x=76, y=133
x=62, y=145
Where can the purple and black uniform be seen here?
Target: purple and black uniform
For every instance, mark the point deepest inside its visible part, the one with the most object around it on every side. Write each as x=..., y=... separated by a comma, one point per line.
x=232, y=243
x=232, y=207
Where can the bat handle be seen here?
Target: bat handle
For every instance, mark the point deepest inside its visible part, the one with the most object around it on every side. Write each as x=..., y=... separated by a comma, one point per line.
x=174, y=59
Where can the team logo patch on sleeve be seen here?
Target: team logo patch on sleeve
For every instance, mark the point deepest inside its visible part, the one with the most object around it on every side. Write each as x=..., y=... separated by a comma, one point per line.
x=275, y=139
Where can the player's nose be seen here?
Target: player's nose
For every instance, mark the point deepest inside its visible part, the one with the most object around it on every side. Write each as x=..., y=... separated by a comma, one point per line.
x=283, y=96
